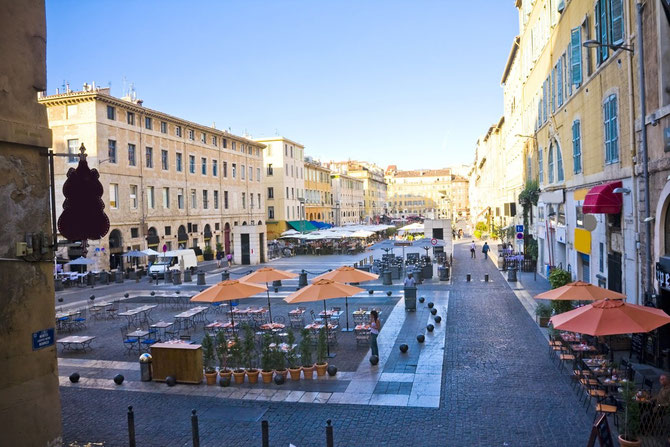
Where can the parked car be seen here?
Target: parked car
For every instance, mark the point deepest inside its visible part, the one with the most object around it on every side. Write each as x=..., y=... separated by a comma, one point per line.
x=173, y=260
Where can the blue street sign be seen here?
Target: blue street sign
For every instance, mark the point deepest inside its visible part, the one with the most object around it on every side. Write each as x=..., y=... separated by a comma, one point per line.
x=43, y=339
x=519, y=228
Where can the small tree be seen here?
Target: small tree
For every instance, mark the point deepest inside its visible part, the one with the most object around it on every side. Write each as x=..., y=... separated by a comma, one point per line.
x=219, y=247
x=222, y=350
x=279, y=360
x=236, y=354
x=321, y=347
x=631, y=409
x=266, y=354
x=290, y=355
x=306, y=348
x=528, y=198
x=208, y=353
x=558, y=278
x=249, y=347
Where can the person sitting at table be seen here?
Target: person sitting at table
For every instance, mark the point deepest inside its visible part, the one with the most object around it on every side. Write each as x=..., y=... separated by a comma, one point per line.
x=663, y=396
x=375, y=326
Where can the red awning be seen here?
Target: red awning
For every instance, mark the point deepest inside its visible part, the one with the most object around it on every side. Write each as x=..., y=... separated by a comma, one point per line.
x=602, y=199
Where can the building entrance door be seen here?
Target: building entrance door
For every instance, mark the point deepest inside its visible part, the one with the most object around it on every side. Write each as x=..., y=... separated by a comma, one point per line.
x=614, y=271
x=244, y=241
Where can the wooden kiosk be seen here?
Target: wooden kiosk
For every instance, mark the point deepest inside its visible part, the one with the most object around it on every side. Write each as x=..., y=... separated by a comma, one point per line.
x=183, y=361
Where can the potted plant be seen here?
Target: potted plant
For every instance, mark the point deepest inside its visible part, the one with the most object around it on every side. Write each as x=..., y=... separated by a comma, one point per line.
x=207, y=253
x=279, y=360
x=558, y=278
x=222, y=352
x=321, y=363
x=249, y=348
x=306, y=354
x=543, y=314
x=219, y=250
x=631, y=419
x=236, y=356
x=208, y=359
x=266, y=359
x=291, y=358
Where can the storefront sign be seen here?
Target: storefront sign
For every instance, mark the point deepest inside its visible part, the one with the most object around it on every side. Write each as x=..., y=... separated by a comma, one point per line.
x=43, y=339
x=663, y=277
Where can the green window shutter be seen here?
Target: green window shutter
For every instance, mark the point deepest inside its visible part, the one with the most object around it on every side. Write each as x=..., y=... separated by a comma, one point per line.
x=553, y=90
x=616, y=22
x=559, y=82
x=576, y=147
x=576, y=56
x=614, y=137
x=604, y=51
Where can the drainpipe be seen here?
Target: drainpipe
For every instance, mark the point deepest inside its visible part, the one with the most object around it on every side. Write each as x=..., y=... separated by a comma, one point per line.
x=643, y=150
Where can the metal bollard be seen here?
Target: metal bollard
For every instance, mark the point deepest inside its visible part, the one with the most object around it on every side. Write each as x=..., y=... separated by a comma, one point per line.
x=468, y=277
x=225, y=276
x=194, y=429
x=302, y=281
x=329, y=434
x=486, y=278
x=131, y=427
x=265, y=435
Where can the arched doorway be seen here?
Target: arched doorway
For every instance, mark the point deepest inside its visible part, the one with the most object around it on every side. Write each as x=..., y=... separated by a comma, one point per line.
x=115, y=250
x=153, y=240
x=226, y=237
x=260, y=222
x=182, y=237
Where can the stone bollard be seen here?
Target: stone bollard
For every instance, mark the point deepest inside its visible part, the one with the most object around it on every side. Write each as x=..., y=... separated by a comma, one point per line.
x=187, y=276
x=468, y=277
x=176, y=278
x=201, y=278
x=302, y=281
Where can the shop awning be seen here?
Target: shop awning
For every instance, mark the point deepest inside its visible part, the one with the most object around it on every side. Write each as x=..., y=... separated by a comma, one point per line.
x=302, y=226
x=320, y=225
x=602, y=199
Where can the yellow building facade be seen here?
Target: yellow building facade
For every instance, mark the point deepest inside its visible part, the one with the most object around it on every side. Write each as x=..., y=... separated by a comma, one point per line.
x=318, y=192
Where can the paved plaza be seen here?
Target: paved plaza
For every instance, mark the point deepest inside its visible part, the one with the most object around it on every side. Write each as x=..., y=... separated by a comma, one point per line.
x=483, y=377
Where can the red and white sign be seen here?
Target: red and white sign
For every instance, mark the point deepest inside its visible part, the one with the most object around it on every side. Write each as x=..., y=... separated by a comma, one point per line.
x=164, y=248
x=433, y=241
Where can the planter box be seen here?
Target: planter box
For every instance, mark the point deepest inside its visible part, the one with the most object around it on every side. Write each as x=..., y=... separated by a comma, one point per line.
x=543, y=321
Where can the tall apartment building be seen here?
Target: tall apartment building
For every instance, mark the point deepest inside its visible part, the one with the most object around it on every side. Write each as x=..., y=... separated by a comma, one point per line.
x=348, y=196
x=284, y=184
x=374, y=186
x=169, y=183
x=431, y=193
x=318, y=192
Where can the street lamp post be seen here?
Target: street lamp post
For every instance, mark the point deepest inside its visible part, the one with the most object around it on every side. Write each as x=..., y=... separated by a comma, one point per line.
x=648, y=288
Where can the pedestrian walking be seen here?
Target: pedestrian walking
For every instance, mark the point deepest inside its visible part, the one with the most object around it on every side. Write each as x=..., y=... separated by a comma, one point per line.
x=485, y=250
x=375, y=326
x=409, y=281
x=472, y=250
x=229, y=257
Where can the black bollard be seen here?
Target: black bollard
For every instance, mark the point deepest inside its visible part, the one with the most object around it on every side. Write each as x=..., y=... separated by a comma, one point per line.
x=329, y=434
x=225, y=275
x=486, y=278
x=302, y=280
x=265, y=433
x=468, y=277
x=194, y=429
x=131, y=427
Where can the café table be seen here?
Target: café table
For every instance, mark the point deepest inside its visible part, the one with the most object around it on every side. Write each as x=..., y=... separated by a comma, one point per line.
x=74, y=342
x=162, y=327
x=99, y=310
x=189, y=318
x=139, y=334
x=139, y=314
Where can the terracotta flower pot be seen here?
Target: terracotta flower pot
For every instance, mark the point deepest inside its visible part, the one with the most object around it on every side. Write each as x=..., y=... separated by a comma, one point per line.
x=252, y=374
x=321, y=369
x=295, y=373
x=226, y=373
x=211, y=378
x=308, y=372
x=624, y=443
x=238, y=375
x=267, y=376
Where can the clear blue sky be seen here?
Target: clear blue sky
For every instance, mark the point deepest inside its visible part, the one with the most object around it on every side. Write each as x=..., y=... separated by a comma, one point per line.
x=412, y=83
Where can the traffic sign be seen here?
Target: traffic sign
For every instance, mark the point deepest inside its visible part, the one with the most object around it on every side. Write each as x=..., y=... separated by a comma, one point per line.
x=433, y=241
x=519, y=236
x=164, y=248
x=519, y=228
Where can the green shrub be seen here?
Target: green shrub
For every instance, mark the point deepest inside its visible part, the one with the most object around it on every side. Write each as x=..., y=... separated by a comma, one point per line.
x=558, y=278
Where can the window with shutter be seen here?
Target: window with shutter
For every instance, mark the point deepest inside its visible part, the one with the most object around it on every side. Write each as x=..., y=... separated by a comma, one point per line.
x=559, y=82
x=601, y=29
x=616, y=22
x=576, y=147
x=576, y=56
x=560, y=176
x=550, y=163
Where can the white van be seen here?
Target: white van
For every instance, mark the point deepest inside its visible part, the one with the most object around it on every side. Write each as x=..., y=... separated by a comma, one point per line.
x=174, y=260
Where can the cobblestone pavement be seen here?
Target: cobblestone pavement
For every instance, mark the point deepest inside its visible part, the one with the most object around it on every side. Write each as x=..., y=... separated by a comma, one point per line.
x=499, y=389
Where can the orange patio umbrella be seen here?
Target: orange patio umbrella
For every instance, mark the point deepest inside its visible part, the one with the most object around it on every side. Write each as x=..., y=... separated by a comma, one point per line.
x=322, y=289
x=348, y=274
x=228, y=290
x=267, y=274
x=610, y=317
x=579, y=291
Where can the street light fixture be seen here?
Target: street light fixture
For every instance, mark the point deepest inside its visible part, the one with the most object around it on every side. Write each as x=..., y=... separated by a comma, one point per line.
x=621, y=191
x=592, y=43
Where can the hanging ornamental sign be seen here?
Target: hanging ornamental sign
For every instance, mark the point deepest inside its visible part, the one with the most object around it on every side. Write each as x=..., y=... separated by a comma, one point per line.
x=83, y=214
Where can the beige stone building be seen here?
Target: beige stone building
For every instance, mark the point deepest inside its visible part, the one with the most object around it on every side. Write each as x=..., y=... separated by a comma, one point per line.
x=318, y=192
x=374, y=186
x=431, y=193
x=169, y=183
x=348, y=197
x=284, y=184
